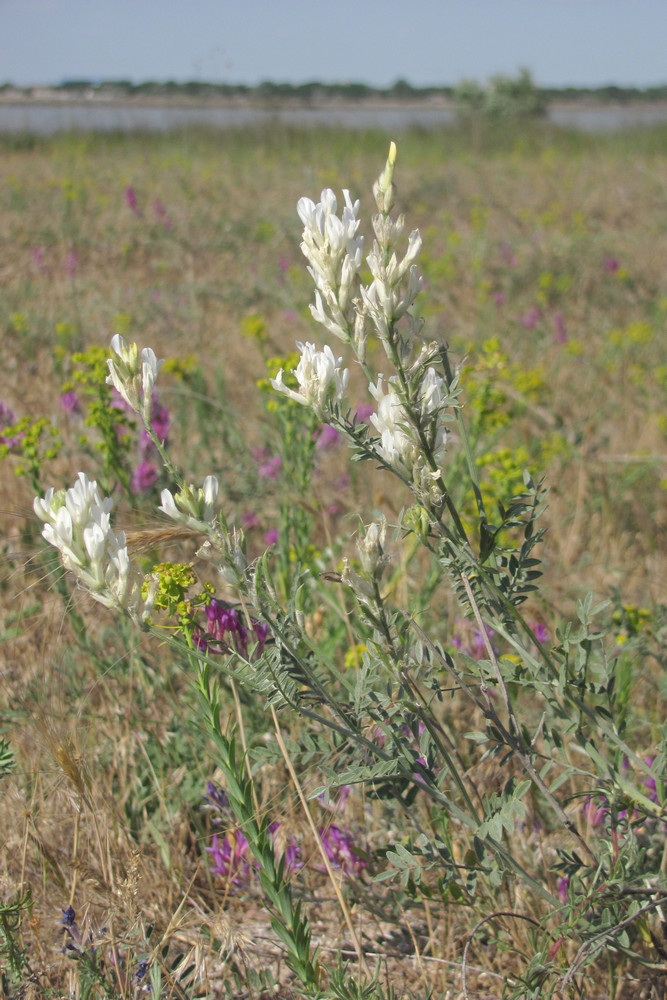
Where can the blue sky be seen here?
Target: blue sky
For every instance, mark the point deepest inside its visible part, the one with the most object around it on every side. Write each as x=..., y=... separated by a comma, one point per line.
x=579, y=42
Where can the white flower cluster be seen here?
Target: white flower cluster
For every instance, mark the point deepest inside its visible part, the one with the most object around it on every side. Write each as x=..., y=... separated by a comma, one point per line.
x=334, y=252
x=77, y=522
x=133, y=379
x=386, y=300
x=399, y=439
x=320, y=379
x=195, y=508
x=410, y=409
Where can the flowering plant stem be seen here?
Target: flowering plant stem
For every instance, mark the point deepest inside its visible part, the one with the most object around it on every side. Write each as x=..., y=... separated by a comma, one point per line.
x=287, y=919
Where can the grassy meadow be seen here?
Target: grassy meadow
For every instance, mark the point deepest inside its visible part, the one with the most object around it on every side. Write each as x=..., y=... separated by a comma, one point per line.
x=544, y=264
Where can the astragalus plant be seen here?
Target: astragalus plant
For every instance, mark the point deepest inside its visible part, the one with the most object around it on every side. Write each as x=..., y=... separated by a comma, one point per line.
x=516, y=798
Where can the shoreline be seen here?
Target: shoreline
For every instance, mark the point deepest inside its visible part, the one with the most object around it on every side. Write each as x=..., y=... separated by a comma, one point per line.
x=44, y=98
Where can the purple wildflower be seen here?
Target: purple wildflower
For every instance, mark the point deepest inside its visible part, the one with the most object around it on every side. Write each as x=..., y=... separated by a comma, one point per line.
x=271, y=537
x=162, y=214
x=562, y=885
x=216, y=796
x=37, y=254
x=338, y=847
x=498, y=299
x=249, y=519
x=540, y=631
x=226, y=632
x=76, y=939
x=70, y=263
x=292, y=856
x=650, y=783
x=339, y=805
x=327, y=437
x=595, y=809
x=141, y=970
x=8, y=419
x=145, y=476
x=610, y=265
x=159, y=419
x=560, y=332
x=131, y=199
x=363, y=413
x=471, y=641
x=270, y=469
x=530, y=319
x=508, y=256
x=69, y=402
x=229, y=856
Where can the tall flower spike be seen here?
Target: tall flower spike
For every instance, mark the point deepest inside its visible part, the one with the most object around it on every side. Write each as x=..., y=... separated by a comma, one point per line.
x=132, y=379
x=320, y=379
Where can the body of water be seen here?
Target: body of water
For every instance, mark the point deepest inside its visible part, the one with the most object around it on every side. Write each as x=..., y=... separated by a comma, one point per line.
x=45, y=119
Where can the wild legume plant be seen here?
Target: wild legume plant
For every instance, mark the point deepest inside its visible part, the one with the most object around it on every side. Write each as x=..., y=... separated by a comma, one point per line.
x=513, y=785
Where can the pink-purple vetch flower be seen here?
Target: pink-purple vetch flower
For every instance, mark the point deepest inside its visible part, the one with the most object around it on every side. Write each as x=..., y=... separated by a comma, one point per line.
x=337, y=806
x=540, y=631
x=268, y=465
x=69, y=402
x=327, y=438
x=271, y=536
x=37, y=255
x=160, y=421
x=649, y=783
x=216, y=798
x=145, y=476
x=560, y=331
x=508, y=256
x=8, y=419
x=471, y=641
x=562, y=885
x=271, y=468
x=131, y=199
x=162, y=214
x=228, y=855
x=610, y=265
x=249, y=519
x=226, y=632
x=498, y=299
x=340, y=851
x=231, y=855
x=530, y=319
x=363, y=412
x=595, y=809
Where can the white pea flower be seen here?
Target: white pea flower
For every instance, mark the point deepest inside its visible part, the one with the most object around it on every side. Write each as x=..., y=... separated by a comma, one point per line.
x=320, y=379
x=192, y=507
x=150, y=366
x=384, y=188
x=371, y=550
x=334, y=253
x=77, y=522
x=133, y=379
x=432, y=392
x=398, y=445
x=399, y=442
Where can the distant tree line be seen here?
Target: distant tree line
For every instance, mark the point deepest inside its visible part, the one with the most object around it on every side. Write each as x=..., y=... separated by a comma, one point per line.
x=520, y=92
